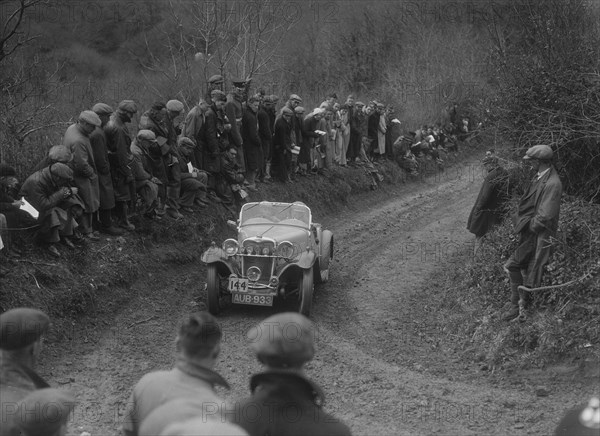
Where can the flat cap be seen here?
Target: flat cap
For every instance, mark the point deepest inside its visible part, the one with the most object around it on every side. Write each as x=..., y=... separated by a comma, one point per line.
x=274, y=97
x=60, y=153
x=217, y=78
x=184, y=141
x=268, y=99
x=239, y=82
x=541, y=152
x=295, y=97
x=318, y=111
x=359, y=103
x=44, y=411
x=22, y=326
x=61, y=170
x=203, y=427
x=128, y=106
x=286, y=110
x=299, y=110
x=583, y=420
x=6, y=170
x=175, y=106
x=177, y=410
x=218, y=95
x=283, y=340
x=102, y=109
x=146, y=134
x=90, y=117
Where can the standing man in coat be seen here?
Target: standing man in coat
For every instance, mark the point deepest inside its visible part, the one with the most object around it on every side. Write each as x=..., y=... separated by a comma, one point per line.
x=77, y=140
x=283, y=343
x=192, y=127
x=21, y=338
x=234, y=111
x=536, y=223
x=282, y=145
x=118, y=141
x=252, y=142
x=213, y=140
x=265, y=133
x=490, y=206
x=214, y=82
x=105, y=184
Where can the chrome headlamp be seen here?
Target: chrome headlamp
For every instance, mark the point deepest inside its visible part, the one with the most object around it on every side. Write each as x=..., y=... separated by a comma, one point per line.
x=286, y=250
x=253, y=273
x=231, y=247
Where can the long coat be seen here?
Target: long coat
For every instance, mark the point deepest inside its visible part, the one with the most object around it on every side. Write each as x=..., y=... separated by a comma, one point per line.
x=252, y=142
x=490, y=207
x=210, y=141
x=118, y=142
x=274, y=395
x=84, y=167
x=105, y=184
x=192, y=127
x=309, y=137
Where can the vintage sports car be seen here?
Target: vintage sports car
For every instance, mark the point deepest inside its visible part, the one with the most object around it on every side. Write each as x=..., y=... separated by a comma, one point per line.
x=279, y=254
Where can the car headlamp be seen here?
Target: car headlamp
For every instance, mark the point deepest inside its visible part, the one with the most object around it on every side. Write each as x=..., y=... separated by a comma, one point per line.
x=253, y=273
x=286, y=250
x=231, y=247
x=266, y=251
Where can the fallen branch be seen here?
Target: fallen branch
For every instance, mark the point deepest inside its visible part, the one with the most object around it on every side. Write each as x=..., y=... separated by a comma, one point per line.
x=141, y=322
x=35, y=263
x=584, y=277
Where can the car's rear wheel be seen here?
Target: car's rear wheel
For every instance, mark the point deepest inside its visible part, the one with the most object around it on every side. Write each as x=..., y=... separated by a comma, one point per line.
x=305, y=293
x=213, y=289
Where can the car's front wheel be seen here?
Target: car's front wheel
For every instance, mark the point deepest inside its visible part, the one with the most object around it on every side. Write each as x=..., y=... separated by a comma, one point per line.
x=213, y=289
x=306, y=291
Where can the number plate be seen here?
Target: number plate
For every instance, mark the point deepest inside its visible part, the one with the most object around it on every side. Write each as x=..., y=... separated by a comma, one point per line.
x=238, y=284
x=256, y=300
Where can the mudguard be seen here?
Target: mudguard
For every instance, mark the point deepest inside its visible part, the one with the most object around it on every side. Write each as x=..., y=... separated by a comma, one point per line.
x=214, y=254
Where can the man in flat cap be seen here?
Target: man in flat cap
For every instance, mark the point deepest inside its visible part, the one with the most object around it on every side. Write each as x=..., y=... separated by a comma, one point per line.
x=282, y=145
x=214, y=82
x=118, y=141
x=310, y=140
x=215, y=141
x=193, y=180
x=21, y=333
x=490, y=207
x=158, y=120
x=50, y=192
x=283, y=343
x=234, y=110
x=105, y=183
x=198, y=345
x=192, y=126
x=148, y=171
x=536, y=222
x=45, y=412
x=85, y=174
x=252, y=142
x=265, y=133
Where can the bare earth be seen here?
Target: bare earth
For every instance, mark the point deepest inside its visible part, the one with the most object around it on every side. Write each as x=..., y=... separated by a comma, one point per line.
x=384, y=371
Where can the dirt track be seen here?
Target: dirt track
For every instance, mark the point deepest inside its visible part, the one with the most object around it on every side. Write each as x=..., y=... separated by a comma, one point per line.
x=384, y=372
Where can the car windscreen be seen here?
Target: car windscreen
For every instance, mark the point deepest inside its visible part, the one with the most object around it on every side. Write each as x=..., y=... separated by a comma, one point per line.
x=275, y=213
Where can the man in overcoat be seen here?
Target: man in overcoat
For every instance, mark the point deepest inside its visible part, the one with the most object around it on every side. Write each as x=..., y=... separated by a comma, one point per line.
x=251, y=142
x=105, y=183
x=85, y=177
x=536, y=223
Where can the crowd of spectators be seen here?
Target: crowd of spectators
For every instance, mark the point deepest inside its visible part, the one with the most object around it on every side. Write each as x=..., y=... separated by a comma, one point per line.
x=219, y=152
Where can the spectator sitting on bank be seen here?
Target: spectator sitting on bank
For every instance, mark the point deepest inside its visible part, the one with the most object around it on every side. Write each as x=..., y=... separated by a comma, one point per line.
x=148, y=171
x=10, y=207
x=50, y=192
x=193, y=180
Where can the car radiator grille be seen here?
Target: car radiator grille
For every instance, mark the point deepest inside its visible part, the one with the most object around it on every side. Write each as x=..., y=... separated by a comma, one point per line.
x=265, y=263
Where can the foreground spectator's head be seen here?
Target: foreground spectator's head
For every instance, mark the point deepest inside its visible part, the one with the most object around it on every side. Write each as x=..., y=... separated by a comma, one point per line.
x=203, y=427
x=22, y=331
x=583, y=420
x=199, y=339
x=284, y=341
x=45, y=412
x=8, y=176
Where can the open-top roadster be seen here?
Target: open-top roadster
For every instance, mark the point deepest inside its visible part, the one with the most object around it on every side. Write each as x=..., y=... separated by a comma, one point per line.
x=279, y=253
